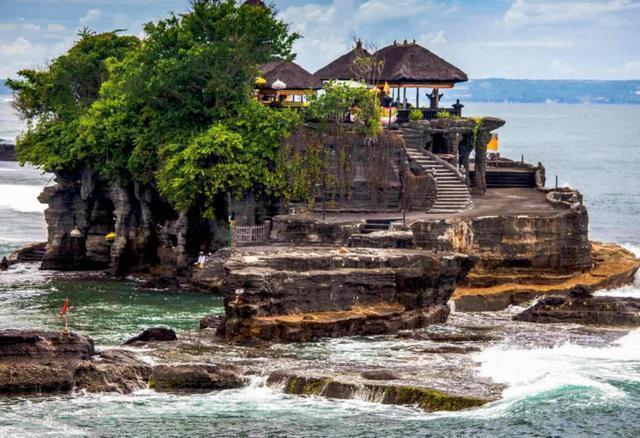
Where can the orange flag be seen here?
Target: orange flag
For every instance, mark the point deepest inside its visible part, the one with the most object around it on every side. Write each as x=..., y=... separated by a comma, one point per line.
x=65, y=307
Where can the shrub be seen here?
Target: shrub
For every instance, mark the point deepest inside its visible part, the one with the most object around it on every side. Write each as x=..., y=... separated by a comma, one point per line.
x=416, y=114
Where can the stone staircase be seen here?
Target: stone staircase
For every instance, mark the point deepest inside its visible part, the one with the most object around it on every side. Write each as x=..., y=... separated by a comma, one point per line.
x=452, y=192
x=372, y=225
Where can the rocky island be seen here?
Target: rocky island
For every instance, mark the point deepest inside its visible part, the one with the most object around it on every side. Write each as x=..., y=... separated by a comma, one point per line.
x=314, y=216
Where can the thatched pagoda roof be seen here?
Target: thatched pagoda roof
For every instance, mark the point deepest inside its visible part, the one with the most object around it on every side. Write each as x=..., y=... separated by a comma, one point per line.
x=342, y=68
x=294, y=76
x=410, y=63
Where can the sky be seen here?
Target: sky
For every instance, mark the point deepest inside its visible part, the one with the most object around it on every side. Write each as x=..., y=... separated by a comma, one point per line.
x=529, y=39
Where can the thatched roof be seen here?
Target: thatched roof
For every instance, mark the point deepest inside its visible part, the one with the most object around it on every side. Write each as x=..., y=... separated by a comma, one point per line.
x=409, y=63
x=342, y=68
x=294, y=76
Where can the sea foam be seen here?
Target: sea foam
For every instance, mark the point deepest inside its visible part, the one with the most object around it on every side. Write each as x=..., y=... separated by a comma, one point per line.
x=22, y=198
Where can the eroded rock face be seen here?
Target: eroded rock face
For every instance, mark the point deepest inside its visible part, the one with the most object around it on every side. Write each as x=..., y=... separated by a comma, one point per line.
x=148, y=234
x=36, y=361
x=581, y=307
x=300, y=293
x=18, y=345
x=551, y=242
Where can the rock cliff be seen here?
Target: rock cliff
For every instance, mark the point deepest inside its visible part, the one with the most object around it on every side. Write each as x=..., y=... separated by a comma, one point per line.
x=147, y=235
x=301, y=293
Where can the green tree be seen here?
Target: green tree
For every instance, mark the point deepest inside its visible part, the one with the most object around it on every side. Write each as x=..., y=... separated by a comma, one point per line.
x=52, y=100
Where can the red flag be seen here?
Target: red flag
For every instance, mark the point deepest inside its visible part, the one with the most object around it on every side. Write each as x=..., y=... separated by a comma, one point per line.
x=65, y=307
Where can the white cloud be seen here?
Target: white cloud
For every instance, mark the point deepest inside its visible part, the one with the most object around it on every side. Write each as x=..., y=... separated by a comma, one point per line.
x=54, y=27
x=379, y=10
x=326, y=31
x=432, y=39
x=527, y=44
x=532, y=12
x=91, y=16
x=15, y=48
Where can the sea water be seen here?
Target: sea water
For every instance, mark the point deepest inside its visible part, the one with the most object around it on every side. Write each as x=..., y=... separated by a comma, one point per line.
x=564, y=389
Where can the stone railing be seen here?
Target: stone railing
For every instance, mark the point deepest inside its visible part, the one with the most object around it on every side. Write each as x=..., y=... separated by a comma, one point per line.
x=252, y=235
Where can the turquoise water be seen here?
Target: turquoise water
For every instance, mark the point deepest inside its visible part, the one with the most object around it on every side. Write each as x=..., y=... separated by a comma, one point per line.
x=562, y=388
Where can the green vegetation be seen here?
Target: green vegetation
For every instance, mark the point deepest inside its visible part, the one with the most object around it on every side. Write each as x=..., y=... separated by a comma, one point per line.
x=477, y=123
x=416, y=114
x=174, y=110
x=340, y=100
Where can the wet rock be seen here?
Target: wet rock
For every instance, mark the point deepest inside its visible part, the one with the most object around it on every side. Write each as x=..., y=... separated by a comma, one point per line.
x=43, y=345
x=215, y=322
x=378, y=375
x=112, y=371
x=425, y=398
x=581, y=307
x=450, y=337
x=160, y=283
x=450, y=349
x=36, y=361
x=7, y=151
x=153, y=334
x=195, y=377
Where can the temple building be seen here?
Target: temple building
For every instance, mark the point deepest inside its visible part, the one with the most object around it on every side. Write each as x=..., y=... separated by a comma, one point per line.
x=400, y=66
x=285, y=83
x=345, y=68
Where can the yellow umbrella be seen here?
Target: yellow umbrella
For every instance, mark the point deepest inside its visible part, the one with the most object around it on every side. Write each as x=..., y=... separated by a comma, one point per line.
x=386, y=88
x=494, y=143
x=260, y=81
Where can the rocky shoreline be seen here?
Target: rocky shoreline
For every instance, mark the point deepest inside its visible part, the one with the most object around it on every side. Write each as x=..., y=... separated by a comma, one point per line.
x=484, y=290
x=7, y=152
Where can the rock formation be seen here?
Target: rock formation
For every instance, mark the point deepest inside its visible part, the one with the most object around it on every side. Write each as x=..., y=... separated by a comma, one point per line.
x=153, y=334
x=299, y=294
x=581, y=307
x=40, y=362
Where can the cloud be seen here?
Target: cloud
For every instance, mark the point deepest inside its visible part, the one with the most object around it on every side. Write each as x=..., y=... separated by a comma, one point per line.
x=380, y=10
x=53, y=27
x=16, y=48
x=527, y=44
x=327, y=31
x=432, y=39
x=536, y=12
x=91, y=16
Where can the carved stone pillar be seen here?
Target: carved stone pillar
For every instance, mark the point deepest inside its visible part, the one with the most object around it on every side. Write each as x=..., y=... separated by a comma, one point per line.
x=481, y=162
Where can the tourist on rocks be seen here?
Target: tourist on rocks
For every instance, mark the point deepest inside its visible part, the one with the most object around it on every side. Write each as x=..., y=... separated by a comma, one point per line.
x=202, y=259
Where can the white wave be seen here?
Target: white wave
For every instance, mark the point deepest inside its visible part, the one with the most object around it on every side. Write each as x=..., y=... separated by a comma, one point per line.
x=22, y=198
x=633, y=248
x=536, y=371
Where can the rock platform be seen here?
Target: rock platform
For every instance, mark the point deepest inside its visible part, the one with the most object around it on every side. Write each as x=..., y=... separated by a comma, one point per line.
x=492, y=290
x=291, y=293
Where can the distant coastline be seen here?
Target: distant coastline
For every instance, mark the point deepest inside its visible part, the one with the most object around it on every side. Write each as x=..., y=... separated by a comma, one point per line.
x=496, y=90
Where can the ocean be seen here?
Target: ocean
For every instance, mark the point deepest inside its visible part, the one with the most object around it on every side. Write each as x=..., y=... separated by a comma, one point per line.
x=562, y=386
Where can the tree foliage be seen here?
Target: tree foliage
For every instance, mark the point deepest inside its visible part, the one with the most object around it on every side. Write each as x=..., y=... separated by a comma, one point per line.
x=340, y=100
x=174, y=109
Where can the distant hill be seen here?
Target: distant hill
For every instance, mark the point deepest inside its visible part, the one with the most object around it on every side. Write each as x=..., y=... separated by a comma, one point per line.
x=532, y=91
x=541, y=91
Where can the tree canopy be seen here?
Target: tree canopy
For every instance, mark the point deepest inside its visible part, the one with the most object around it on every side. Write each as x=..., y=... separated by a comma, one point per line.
x=174, y=109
